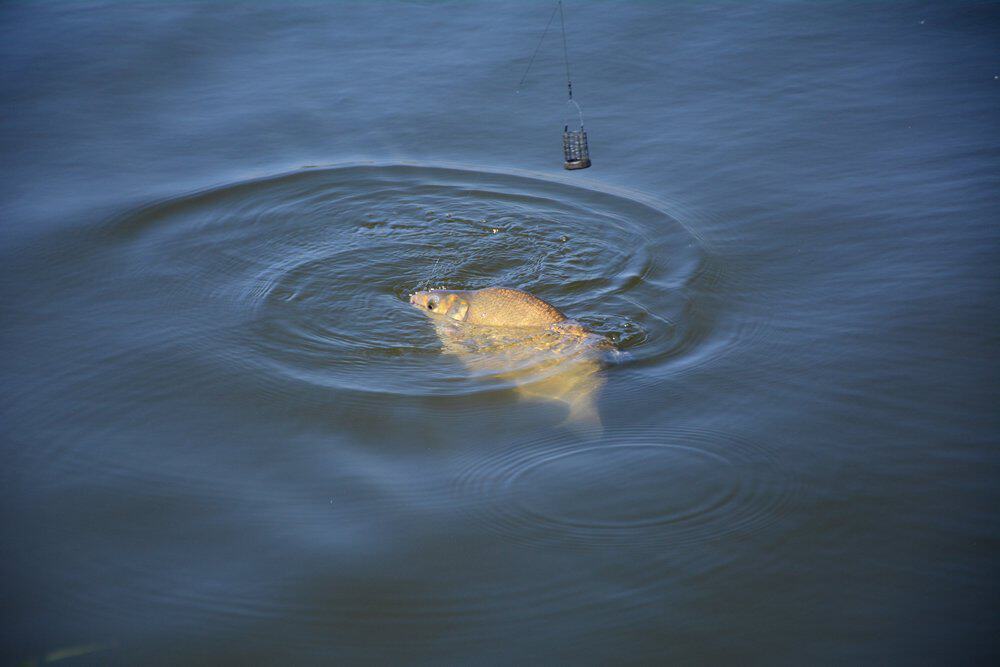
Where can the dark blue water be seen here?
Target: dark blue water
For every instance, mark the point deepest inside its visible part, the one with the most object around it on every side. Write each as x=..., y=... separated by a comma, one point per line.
x=227, y=437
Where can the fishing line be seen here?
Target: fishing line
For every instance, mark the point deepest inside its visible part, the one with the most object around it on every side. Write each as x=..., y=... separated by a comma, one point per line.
x=562, y=22
x=576, y=153
x=532, y=60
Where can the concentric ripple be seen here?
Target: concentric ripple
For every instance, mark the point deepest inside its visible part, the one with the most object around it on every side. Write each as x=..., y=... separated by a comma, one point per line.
x=312, y=269
x=632, y=488
x=255, y=380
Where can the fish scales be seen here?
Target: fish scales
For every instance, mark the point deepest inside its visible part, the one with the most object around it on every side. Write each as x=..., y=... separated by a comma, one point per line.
x=499, y=306
x=492, y=306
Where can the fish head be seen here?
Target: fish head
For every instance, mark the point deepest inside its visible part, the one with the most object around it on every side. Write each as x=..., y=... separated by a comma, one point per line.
x=441, y=302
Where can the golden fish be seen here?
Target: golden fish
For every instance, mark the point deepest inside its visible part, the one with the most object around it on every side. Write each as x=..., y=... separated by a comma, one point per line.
x=512, y=335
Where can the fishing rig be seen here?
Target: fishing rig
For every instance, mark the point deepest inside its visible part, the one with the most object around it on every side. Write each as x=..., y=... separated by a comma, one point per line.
x=576, y=153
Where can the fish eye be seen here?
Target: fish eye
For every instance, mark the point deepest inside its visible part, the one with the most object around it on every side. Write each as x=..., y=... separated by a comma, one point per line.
x=432, y=304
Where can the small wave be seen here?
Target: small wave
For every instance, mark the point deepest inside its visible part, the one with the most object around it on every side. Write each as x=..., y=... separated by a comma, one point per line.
x=313, y=268
x=632, y=487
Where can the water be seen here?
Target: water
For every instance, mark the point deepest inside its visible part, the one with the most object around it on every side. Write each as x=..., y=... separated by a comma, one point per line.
x=227, y=437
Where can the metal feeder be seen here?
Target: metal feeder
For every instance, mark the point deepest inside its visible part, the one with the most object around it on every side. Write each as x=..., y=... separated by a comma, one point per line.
x=575, y=150
x=576, y=153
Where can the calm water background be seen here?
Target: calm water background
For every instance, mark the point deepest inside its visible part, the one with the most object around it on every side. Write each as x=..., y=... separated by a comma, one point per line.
x=226, y=437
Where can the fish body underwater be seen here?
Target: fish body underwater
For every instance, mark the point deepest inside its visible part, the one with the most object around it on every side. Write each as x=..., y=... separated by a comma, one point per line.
x=514, y=336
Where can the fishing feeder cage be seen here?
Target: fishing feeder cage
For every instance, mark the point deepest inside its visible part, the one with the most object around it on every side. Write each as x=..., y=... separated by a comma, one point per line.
x=576, y=153
x=575, y=150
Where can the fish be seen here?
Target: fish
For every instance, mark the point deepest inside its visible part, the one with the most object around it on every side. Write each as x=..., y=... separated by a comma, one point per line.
x=516, y=337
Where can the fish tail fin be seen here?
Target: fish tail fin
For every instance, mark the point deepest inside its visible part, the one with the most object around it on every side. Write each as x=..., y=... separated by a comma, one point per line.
x=583, y=417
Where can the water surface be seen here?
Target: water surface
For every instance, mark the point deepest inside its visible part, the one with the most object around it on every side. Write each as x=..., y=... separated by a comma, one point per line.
x=227, y=437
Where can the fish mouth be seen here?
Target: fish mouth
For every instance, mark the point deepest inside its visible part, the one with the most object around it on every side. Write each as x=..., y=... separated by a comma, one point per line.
x=418, y=299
